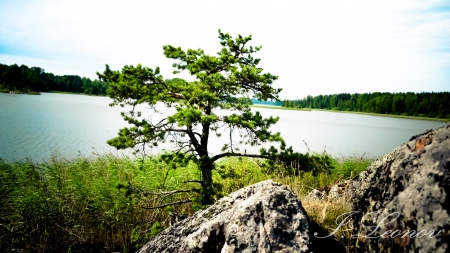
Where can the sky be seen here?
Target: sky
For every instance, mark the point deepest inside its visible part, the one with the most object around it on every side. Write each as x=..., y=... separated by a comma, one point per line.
x=315, y=47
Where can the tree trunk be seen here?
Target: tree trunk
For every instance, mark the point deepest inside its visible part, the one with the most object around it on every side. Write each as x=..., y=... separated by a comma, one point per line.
x=206, y=164
x=207, y=191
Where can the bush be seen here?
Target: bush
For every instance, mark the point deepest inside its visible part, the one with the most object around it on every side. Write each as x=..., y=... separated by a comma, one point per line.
x=294, y=163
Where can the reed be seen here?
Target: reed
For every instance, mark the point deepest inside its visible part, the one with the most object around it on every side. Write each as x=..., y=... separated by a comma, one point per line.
x=100, y=203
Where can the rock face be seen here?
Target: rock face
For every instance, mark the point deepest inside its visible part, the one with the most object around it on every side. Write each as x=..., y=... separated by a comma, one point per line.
x=404, y=198
x=338, y=191
x=264, y=217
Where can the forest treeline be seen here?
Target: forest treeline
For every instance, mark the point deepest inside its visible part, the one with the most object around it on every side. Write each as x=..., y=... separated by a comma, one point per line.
x=425, y=104
x=23, y=78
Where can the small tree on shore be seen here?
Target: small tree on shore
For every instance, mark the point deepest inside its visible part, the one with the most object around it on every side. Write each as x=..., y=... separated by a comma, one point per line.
x=200, y=105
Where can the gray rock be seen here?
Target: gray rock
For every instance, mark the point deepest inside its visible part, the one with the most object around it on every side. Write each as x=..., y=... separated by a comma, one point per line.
x=404, y=198
x=337, y=191
x=315, y=195
x=264, y=217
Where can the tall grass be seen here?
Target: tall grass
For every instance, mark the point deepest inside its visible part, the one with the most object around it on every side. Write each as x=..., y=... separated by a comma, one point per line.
x=83, y=204
x=324, y=214
x=98, y=204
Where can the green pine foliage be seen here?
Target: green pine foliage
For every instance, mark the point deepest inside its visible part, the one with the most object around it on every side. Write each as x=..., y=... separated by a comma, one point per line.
x=215, y=101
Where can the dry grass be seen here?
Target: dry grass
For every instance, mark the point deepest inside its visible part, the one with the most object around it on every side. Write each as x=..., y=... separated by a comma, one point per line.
x=96, y=203
x=327, y=214
x=324, y=214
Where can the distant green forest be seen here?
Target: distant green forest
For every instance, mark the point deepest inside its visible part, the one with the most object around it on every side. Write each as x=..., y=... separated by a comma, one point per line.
x=23, y=78
x=425, y=104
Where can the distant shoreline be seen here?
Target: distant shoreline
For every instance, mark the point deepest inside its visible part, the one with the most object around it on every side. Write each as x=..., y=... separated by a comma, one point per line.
x=267, y=107
x=387, y=115
x=362, y=113
x=27, y=92
x=281, y=108
x=74, y=93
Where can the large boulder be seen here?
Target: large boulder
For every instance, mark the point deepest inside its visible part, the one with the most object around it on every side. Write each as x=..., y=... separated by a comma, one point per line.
x=264, y=217
x=402, y=200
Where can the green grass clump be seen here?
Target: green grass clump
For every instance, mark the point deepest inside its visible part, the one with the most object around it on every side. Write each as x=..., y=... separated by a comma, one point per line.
x=234, y=173
x=84, y=203
x=99, y=203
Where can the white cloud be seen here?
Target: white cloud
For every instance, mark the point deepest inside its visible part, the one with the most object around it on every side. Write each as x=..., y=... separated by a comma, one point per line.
x=316, y=47
x=20, y=34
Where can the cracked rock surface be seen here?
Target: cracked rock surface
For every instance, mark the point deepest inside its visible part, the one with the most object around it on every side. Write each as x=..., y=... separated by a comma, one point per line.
x=407, y=191
x=264, y=217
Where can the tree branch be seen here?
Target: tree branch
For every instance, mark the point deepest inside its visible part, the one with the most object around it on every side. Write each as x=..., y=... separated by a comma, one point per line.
x=169, y=204
x=217, y=157
x=169, y=192
x=176, y=95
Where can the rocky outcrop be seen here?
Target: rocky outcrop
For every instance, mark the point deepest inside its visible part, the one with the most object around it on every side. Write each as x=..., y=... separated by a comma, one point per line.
x=402, y=200
x=337, y=191
x=264, y=217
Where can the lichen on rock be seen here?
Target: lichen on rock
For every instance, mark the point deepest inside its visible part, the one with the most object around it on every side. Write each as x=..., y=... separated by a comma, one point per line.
x=403, y=198
x=264, y=217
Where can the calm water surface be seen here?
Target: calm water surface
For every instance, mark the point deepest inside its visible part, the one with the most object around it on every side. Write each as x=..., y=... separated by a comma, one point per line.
x=75, y=125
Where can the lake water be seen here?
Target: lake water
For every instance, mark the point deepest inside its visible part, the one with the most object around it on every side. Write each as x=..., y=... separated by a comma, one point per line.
x=75, y=125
